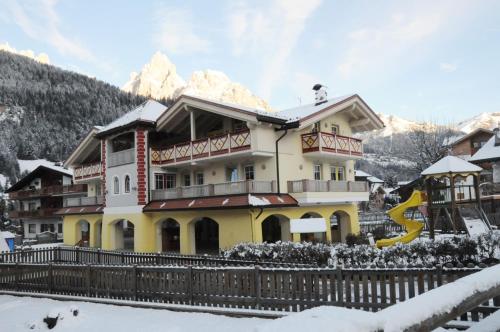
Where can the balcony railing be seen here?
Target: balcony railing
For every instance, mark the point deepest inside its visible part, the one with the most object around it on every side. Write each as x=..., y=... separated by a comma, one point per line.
x=301, y=186
x=121, y=157
x=87, y=171
x=83, y=201
x=49, y=191
x=202, y=148
x=217, y=189
x=40, y=213
x=327, y=142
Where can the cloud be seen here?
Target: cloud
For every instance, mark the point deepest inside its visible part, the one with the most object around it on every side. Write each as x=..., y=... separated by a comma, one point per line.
x=41, y=57
x=175, y=32
x=376, y=47
x=271, y=32
x=448, y=67
x=40, y=21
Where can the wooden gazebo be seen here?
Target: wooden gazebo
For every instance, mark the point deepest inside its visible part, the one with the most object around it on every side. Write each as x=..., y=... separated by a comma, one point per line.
x=443, y=193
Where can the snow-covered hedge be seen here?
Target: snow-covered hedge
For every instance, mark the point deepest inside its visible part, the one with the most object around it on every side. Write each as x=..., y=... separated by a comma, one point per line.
x=463, y=250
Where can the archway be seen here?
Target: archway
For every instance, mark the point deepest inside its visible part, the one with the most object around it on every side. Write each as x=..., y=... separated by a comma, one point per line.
x=168, y=232
x=275, y=228
x=312, y=237
x=83, y=233
x=124, y=235
x=340, y=223
x=206, y=236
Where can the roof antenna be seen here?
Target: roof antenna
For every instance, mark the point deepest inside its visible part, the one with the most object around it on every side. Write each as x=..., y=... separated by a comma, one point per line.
x=320, y=94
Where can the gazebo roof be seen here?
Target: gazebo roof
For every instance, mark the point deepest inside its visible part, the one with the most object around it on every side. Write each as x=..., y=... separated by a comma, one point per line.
x=453, y=165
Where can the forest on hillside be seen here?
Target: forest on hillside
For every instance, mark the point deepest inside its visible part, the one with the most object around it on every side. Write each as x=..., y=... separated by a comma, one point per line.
x=45, y=111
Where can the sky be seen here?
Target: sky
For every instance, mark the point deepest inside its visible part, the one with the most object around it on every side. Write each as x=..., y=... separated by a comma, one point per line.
x=421, y=60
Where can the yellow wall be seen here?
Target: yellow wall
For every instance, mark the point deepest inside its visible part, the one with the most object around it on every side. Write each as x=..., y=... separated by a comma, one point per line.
x=235, y=226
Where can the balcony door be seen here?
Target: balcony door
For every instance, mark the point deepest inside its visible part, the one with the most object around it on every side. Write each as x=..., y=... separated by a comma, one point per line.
x=232, y=174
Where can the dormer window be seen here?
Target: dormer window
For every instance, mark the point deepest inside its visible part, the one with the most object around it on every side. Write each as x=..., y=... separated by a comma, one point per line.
x=116, y=185
x=127, y=184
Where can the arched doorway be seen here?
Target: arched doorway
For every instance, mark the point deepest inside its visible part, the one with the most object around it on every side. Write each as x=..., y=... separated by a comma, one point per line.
x=312, y=237
x=83, y=235
x=169, y=235
x=124, y=235
x=275, y=228
x=340, y=223
x=206, y=236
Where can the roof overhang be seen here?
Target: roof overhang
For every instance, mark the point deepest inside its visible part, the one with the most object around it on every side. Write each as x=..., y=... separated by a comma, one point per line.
x=86, y=145
x=32, y=175
x=76, y=210
x=186, y=103
x=128, y=126
x=363, y=117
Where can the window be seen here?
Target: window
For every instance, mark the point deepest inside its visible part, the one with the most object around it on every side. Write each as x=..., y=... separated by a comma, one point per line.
x=337, y=173
x=187, y=180
x=335, y=129
x=59, y=228
x=316, y=127
x=232, y=174
x=317, y=172
x=48, y=228
x=126, y=186
x=32, y=228
x=116, y=185
x=165, y=181
x=199, y=178
x=249, y=173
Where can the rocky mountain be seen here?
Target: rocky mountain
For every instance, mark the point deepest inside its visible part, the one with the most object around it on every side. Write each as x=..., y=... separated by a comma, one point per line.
x=159, y=79
x=483, y=120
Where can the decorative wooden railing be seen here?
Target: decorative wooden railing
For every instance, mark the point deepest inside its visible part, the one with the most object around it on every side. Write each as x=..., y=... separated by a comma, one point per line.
x=87, y=171
x=40, y=213
x=202, y=148
x=300, y=186
x=83, y=201
x=327, y=142
x=48, y=191
x=216, y=189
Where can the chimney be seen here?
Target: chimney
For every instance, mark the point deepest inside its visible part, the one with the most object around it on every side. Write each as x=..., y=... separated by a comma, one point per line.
x=320, y=94
x=496, y=131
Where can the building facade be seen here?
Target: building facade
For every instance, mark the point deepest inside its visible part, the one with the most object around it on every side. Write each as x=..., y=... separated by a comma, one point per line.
x=37, y=197
x=201, y=176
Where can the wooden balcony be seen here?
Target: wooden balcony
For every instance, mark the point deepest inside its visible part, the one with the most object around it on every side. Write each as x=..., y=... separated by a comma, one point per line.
x=121, y=157
x=217, y=189
x=83, y=201
x=202, y=148
x=302, y=186
x=87, y=171
x=40, y=213
x=49, y=191
x=330, y=144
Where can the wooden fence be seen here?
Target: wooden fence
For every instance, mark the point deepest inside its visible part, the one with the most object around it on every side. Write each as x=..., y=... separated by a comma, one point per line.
x=80, y=255
x=278, y=289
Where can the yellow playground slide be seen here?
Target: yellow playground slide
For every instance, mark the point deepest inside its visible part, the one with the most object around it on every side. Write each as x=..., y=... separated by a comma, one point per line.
x=397, y=213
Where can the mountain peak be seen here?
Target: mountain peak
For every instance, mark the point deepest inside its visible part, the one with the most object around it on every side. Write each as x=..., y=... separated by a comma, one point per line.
x=41, y=57
x=159, y=79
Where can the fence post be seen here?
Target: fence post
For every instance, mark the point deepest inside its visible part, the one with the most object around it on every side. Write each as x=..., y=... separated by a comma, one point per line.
x=49, y=278
x=88, y=277
x=340, y=286
x=158, y=258
x=122, y=255
x=257, y=286
x=134, y=282
x=190, y=283
x=99, y=256
x=16, y=277
x=77, y=255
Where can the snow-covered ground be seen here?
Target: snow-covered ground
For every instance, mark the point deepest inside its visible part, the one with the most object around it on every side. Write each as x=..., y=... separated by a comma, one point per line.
x=17, y=313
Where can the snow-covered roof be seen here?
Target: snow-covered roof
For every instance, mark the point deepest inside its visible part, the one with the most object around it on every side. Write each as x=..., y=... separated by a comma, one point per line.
x=300, y=112
x=487, y=152
x=31, y=165
x=374, y=179
x=453, y=140
x=451, y=164
x=360, y=173
x=149, y=111
x=8, y=235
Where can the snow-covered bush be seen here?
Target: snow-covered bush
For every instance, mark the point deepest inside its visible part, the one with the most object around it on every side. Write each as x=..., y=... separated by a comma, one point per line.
x=464, y=250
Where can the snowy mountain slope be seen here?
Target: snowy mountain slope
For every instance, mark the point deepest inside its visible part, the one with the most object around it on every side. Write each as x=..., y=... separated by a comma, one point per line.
x=484, y=120
x=159, y=79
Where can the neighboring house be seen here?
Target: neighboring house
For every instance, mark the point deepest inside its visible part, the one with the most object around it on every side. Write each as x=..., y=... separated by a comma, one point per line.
x=38, y=195
x=204, y=175
x=488, y=156
x=465, y=146
x=376, y=188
